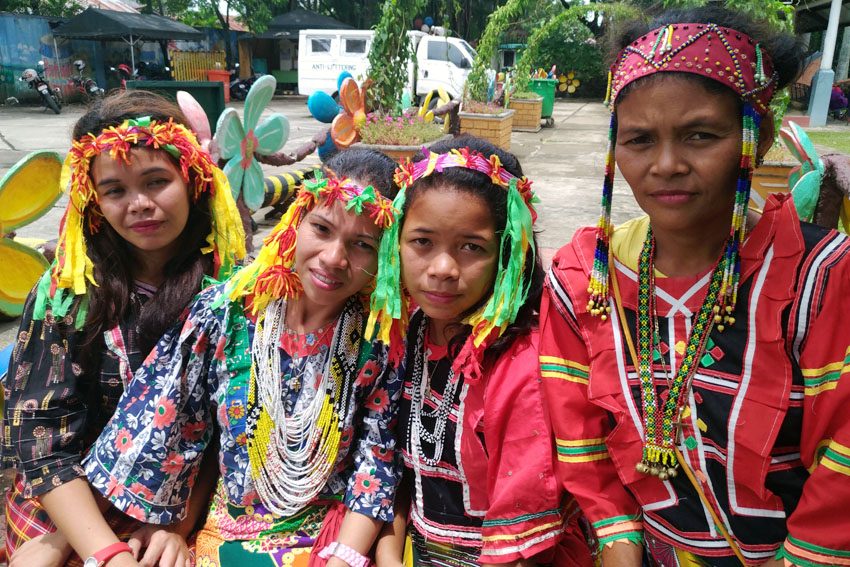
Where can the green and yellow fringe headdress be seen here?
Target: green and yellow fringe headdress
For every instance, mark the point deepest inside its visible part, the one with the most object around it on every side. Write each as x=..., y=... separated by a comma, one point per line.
x=389, y=304
x=272, y=275
x=73, y=270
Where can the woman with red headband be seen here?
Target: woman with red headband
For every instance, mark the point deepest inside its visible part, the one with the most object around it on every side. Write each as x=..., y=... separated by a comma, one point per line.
x=149, y=217
x=694, y=359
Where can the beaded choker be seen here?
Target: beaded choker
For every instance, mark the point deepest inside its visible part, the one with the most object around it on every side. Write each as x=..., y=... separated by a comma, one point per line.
x=660, y=417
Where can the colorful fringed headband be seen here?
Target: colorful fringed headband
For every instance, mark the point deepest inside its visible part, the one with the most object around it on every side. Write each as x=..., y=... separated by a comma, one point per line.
x=389, y=305
x=73, y=268
x=724, y=55
x=272, y=275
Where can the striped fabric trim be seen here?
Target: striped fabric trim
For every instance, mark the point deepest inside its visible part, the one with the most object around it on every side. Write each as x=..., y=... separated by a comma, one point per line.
x=799, y=552
x=619, y=528
x=571, y=371
x=521, y=519
x=561, y=299
x=818, y=380
x=552, y=526
x=836, y=457
x=581, y=450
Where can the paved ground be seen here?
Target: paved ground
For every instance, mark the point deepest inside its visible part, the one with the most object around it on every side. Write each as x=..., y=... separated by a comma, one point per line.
x=565, y=163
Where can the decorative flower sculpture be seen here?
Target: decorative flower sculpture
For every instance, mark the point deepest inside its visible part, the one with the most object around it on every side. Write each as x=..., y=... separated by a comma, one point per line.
x=27, y=191
x=568, y=83
x=238, y=145
x=345, y=129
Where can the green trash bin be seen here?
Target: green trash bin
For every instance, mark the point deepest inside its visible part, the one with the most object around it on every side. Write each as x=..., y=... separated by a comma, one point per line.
x=546, y=89
x=209, y=94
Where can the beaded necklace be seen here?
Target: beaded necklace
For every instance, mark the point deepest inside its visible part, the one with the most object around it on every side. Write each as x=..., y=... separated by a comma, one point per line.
x=293, y=453
x=420, y=385
x=660, y=421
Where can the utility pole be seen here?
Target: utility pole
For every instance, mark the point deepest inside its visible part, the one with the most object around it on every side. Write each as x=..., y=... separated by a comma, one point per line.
x=822, y=81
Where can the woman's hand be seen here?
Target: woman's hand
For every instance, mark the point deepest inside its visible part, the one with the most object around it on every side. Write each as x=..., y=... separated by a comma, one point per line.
x=162, y=548
x=48, y=550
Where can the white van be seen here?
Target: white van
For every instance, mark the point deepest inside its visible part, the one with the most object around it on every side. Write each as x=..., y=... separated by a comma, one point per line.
x=324, y=54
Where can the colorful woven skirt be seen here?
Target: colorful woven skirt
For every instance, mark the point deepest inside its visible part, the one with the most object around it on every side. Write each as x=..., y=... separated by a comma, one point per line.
x=251, y=536
x=429, y=553
x=26, y=519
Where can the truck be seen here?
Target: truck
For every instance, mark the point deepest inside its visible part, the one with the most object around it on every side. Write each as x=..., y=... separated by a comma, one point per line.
x=438, y=61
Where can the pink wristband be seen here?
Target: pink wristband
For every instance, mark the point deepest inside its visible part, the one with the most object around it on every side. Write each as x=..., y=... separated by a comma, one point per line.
x=347, y=554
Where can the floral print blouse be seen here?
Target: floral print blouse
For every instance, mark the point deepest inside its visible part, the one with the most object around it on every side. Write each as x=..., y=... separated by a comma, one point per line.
x=194, y=385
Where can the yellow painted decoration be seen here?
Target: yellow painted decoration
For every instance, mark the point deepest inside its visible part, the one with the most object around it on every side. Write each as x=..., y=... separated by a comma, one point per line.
x=27, y=191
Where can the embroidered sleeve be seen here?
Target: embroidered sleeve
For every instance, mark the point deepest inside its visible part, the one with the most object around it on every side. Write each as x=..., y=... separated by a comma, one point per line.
x=46, y=410
x=377, y=471
x=825, y=447
x=525, y=515
x=583, y=464
x=147, y=458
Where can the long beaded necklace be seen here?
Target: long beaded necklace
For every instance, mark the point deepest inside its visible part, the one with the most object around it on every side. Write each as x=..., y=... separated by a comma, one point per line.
x=292, y=453
x=659, y=457
x=421, y=383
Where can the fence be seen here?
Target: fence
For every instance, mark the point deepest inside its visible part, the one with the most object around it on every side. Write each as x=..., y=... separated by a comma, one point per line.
x=193, y=65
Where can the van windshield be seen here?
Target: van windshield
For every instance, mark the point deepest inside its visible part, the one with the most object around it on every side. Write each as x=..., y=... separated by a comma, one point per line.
x=468, y=49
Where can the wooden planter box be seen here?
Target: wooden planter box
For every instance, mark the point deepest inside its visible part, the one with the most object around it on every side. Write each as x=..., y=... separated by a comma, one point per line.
x=527, y=114
x=769, y=177
x=495, y=128
x=400, y=153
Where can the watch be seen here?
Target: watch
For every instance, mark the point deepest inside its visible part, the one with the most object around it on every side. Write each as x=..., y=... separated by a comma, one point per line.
x=100, y=558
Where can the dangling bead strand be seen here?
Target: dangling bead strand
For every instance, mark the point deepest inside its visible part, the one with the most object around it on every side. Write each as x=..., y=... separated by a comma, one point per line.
x=598, y=285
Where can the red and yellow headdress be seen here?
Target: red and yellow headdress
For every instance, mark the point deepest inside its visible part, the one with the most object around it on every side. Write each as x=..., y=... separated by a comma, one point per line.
x=389, y=305
x=272, y=275
x=73, y=270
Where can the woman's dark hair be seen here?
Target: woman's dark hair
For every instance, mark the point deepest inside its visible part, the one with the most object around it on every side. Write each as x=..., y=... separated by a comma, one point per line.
x=113, y=258
x=783, y=49
x=496, y=198
x=366, y=166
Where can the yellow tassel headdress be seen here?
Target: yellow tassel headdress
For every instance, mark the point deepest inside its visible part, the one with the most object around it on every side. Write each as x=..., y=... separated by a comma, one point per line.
x=73, y=270
x=272, y=275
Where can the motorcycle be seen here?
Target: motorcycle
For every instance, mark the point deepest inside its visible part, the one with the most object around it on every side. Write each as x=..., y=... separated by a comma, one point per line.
x=153, y=72
x=239, y=87
x=35, y=79
x=124, y=74
x=86, y=85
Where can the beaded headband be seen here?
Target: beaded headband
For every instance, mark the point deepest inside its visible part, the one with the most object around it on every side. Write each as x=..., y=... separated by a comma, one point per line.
x=389, y=304
x=73, y=269
x=722, y=54
x=272, y=275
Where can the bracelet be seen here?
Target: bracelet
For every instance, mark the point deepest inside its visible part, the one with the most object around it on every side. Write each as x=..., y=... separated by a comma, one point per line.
x=347, y=554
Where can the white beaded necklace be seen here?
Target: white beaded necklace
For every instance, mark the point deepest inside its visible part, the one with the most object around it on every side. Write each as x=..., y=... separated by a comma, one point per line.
x=298, y=463
x=420, y=382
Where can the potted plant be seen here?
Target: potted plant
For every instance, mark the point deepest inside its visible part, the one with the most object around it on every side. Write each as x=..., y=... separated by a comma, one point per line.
x=399, y=137
x=528, y=109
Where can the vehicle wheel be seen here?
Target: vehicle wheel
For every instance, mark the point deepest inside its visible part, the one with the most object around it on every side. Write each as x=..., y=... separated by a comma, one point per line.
x=51, y=103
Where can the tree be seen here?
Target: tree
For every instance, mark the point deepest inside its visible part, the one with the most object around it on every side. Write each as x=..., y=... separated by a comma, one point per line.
x=56, y=8
x=390, y=53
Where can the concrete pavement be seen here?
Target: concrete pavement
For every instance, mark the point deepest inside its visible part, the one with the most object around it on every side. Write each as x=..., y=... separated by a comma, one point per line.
x=565, y=162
